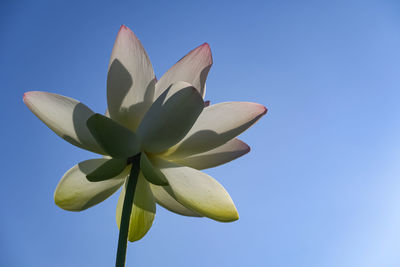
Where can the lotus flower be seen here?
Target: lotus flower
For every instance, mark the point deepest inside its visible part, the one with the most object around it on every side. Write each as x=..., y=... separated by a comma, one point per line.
x=166, y=122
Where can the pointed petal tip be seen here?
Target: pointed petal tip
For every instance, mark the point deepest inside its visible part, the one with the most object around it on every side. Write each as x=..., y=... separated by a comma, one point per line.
x=25, y=96
x=28, y=95
x=232, y=218
x=265, y=110
x=256, y=108
x=125, y=32
x=32, y=93
x=206, y=49
x=246, y=146
x=123, y=28
x=261, y=109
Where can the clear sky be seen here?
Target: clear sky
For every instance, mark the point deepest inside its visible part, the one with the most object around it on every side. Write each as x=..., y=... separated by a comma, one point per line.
x=321, y=186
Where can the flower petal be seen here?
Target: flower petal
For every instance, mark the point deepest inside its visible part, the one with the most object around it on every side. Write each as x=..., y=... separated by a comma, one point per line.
x=75, y=193
x=152, y=174
x=164, y=199
x=65, y=116
x=170, y=117
x=193, y=68
x=227, y=152
x=143, y=210
x=107, y=170
x=198, y=192
x=115, y=139
x=216, y=125
x=130, y=81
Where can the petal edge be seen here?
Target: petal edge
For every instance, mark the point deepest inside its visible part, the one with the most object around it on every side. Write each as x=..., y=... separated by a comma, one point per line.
x=199, y=192
x=65, y=116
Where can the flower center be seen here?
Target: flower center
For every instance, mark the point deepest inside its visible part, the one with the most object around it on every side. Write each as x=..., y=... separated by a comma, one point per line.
x=134, y=158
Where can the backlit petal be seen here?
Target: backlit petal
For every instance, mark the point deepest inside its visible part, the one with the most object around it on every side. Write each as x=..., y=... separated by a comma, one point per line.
x=143, y=210
x=75, y=193
x=130, y=81
x=216, y=125
x=193, y=68
x=65, y=116
x=215, y=157
x=198, y=192
x=170, y=117
x=164, y=199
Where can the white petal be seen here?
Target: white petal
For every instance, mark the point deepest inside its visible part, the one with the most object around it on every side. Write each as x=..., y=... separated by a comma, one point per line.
x=193, y=68
x=164, y=199
x=130, y=81
x=143, y=210
x=216, y=125
x=65, y=116
x=215, y=157
x=75, y=193
x=170, y=117
x=199, y=192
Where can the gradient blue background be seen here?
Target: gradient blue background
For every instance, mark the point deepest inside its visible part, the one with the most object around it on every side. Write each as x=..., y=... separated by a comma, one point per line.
x=321, y=186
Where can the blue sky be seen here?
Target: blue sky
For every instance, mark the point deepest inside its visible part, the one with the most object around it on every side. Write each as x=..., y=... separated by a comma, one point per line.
x=321, y=186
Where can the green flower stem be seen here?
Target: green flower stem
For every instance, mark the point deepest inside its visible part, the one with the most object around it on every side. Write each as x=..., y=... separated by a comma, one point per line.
x=126, y=210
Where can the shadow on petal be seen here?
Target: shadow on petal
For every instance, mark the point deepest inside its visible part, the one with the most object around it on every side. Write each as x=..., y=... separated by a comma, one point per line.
x=131, y=116
x=206, y=140
x=80, y=115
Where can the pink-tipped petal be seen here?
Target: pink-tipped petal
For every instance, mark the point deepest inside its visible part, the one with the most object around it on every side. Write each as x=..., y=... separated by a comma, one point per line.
x=192, y=68
x=225, y=153
x=216, y=125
